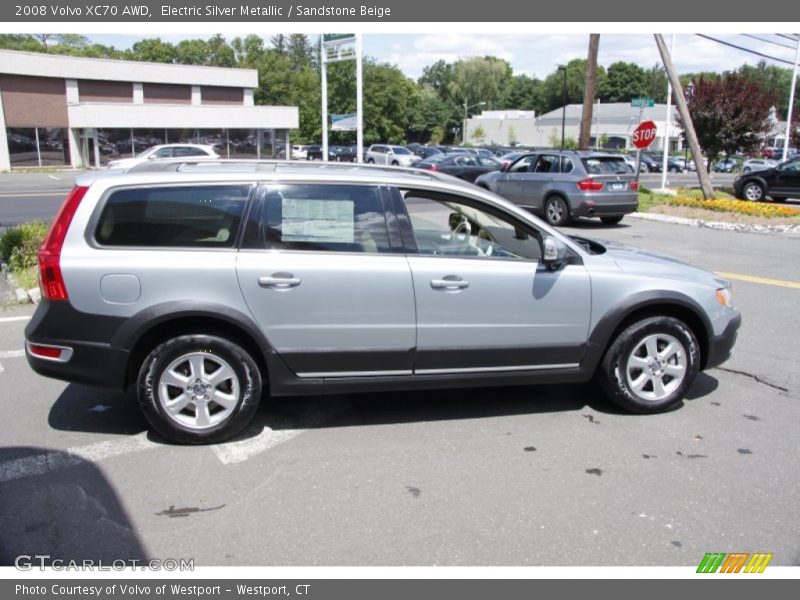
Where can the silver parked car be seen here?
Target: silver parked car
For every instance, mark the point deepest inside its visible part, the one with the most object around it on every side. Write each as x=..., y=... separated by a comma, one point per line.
x=207, y=285
x=561, y=185
x=758, y=164
x=397, y=156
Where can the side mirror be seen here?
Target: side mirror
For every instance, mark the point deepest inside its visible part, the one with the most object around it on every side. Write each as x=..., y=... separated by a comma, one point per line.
x=554, y=253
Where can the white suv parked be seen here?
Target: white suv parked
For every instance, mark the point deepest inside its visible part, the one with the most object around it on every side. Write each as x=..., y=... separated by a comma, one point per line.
x=396, y=156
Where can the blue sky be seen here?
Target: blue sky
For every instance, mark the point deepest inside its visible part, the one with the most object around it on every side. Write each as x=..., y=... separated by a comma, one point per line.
x=538, y=54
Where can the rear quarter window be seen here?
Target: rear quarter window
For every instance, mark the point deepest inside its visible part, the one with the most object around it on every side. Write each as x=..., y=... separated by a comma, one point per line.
x=191, y=216
x=604, y=165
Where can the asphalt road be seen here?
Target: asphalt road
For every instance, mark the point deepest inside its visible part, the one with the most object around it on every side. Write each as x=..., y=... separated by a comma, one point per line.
x=549, y=475
x=29, y=196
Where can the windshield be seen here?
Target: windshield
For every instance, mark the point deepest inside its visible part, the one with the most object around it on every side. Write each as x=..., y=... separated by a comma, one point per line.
x=400, y=150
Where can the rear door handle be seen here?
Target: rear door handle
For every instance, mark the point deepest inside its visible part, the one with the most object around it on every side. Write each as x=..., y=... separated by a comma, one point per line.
x=451, y=282
x=279, y=281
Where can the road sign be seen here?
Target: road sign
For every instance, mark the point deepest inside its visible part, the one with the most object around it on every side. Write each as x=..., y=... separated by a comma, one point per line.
x=644, y=134
x=643, y=102
x=338, y=38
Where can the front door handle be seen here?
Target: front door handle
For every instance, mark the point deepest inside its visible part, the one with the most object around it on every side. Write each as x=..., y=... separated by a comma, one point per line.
x=279, y=281
x=449, y=283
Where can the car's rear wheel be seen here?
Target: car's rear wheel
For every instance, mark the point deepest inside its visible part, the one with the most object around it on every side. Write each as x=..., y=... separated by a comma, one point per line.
x=650, y=365
x=371, y=161
x=753, y=191
x=395, y=163
x=199, y=389
x=556, y=210
x=611, y=220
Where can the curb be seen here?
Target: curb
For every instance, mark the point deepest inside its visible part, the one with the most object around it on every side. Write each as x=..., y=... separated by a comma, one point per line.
x=719, y=225
x=31, y=296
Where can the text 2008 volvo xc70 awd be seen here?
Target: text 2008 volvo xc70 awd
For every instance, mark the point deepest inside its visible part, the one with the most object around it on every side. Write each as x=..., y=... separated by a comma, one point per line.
x=206, y=285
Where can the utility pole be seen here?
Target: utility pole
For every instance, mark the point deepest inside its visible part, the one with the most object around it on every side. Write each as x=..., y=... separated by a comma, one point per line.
x=683, y=111
x=791, y=103
x=588, y=92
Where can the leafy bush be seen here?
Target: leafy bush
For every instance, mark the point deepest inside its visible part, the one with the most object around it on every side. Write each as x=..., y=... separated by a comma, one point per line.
x=19, y=245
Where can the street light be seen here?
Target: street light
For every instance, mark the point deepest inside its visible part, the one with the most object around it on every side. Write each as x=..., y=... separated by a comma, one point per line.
x=564, y=104
x=466, y=108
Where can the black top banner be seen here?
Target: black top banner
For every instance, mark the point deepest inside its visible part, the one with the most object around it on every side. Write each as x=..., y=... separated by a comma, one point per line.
x=394, y=11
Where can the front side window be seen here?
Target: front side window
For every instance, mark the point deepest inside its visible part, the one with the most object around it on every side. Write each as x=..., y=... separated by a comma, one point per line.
x=523, y=165
x=187, y=216
x=455, y=227
x=321, y=218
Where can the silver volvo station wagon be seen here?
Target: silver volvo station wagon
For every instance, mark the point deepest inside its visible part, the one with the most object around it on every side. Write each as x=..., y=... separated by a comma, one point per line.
x=209, y=284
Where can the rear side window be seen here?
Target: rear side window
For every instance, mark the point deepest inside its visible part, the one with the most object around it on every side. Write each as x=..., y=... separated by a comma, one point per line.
x=193, y=216
x=321, y=218
x=603, y=165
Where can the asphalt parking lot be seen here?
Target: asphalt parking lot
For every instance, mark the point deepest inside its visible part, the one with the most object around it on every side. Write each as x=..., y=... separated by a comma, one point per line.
x=548, y=475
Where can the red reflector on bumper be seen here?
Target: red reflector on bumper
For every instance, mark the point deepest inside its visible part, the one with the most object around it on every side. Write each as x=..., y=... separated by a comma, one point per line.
x=45, y=351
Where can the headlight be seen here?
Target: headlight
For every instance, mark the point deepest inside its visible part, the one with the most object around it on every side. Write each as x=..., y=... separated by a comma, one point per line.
x=725, y=296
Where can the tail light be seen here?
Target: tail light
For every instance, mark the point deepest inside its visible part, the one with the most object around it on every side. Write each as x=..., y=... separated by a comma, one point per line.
x=432, y=167
x=634, y=185
x=590, y=185
x=51, y=281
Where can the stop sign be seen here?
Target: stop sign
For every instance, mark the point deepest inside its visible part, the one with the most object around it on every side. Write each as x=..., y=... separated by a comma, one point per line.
x=644, y=134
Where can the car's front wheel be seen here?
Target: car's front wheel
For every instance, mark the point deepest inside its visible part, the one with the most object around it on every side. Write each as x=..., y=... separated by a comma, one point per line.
x=651, y=365
x=753, y=191
x=556, y=210
x=199, y=389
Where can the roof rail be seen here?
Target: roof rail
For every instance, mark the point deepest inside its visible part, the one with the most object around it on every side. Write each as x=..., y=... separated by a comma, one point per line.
x=252, y=165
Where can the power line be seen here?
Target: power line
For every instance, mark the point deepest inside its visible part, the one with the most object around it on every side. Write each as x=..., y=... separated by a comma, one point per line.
x=760, y=39
x=743, y=49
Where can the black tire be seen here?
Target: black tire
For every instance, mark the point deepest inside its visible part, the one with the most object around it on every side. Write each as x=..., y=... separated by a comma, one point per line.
x=622, y=359
x=779, y=199
x=556, y=210
x=395, y=163
x=371, y=161
x=242, y=389
x=674, y=170
x=611, y=220
x=753, y=191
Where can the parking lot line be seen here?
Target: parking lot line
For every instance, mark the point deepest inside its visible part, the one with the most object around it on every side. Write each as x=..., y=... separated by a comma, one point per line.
x=10, y=354
x=762, y=280
x=12, y=319
x=39, y=464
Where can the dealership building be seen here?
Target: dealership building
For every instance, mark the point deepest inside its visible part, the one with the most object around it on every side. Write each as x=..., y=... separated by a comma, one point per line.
x=67, y=111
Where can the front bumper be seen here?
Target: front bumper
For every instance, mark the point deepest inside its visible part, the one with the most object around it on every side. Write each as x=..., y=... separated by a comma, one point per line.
x=720, y=348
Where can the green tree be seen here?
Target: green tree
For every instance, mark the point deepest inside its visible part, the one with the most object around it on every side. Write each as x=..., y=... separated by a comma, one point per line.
x=773, y=79
x=153, y=50
x=523, y=93
x=623, y=81
x=576, y=80
x=479, y=80
x=438, y=77
x=432, y=113
x=479, y=134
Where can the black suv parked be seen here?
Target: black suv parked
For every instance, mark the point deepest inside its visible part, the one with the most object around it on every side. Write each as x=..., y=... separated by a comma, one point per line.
x=779, y=183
